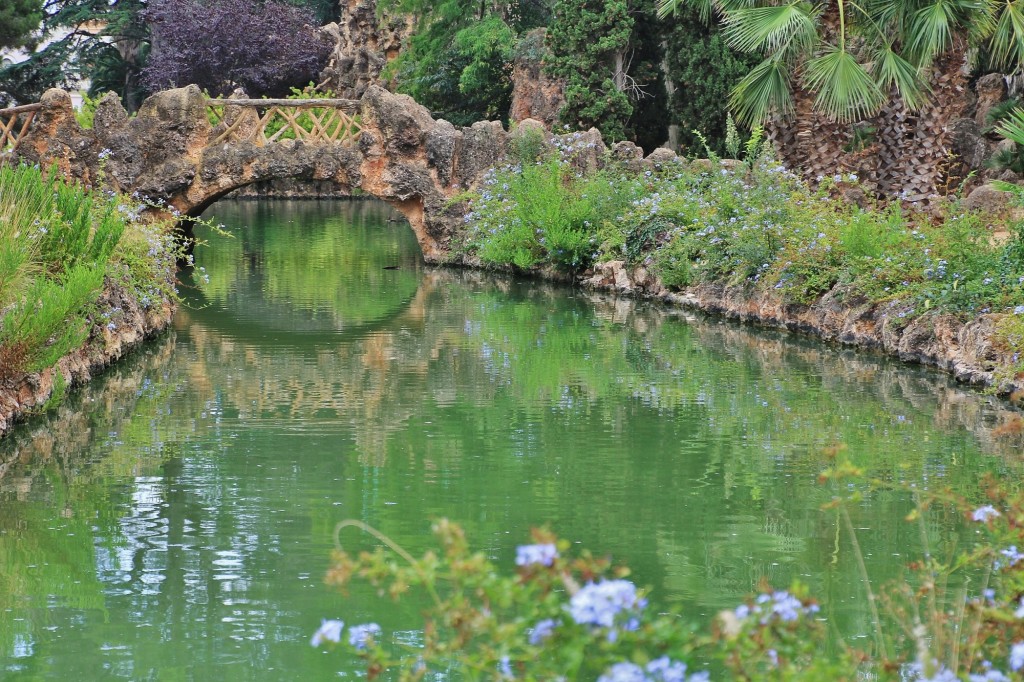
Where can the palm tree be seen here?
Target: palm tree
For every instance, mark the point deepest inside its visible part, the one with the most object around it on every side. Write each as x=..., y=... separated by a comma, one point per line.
x=896, y=61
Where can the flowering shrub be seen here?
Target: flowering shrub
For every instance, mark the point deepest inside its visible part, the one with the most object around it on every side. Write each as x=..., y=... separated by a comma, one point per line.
x=565, y=615
x=562, y=616
x=757, y=226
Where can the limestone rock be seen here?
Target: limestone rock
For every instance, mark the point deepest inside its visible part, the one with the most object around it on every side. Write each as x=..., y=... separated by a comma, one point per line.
x=535, y=94
x=660, y=158
x=991, y=90
x=988, y=199
x=628, y=155
x=365, y=40
x=484, y=145
x=402, y=122
x=443, y=143
x=967, y=142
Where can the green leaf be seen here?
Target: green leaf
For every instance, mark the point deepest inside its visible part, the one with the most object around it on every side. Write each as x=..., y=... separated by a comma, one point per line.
x=932, y=28
x=762, y=92
x=890, y=69
x=845, y=90
x=1012, y=127
x=1006, y=47
x=771, y=28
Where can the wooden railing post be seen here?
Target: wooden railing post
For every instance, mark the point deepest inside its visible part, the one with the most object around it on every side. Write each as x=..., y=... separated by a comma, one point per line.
x=324, y=121
x=14, y=123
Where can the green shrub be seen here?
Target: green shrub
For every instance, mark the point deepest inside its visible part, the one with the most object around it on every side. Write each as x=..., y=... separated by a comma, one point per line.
x=58, y=245
x=544, y=213
x=562, y=613
x=757, y=226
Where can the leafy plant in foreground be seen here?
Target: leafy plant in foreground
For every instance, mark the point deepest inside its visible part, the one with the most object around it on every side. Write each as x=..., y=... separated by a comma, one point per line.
x=565, y=614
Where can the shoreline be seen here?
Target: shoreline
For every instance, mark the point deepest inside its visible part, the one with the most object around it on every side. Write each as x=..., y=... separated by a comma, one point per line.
x=964, y=350
x=22, y=397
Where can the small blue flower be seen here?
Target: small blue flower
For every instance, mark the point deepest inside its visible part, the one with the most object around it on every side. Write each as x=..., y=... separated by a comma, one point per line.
x=505, y=668
x=542, y=630
x=544, y=554
x=624, y=672
x=330, y=631
x=362, y=636
x=664, y=669
x=984, y=513
x=599, y=603
x=1012, y=554
x=1017, y=656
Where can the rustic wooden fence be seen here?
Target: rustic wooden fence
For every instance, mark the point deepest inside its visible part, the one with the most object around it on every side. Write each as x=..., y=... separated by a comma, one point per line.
x=14, y=123
x=263, y=121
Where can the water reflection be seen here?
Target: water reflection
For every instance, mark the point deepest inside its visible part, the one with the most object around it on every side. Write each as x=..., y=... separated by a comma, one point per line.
x=174, y=519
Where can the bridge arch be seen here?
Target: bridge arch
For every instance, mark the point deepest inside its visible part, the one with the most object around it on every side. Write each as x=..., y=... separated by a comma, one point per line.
x=185, y=151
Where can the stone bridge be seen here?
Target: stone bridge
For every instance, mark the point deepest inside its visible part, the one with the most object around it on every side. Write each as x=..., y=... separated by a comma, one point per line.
x=171, y=153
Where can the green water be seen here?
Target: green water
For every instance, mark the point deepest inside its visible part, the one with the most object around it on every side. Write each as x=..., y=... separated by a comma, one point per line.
x=173, y=520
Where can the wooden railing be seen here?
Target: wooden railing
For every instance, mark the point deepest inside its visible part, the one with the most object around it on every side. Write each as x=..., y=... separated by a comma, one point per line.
x=14, y=123
x=264, y=121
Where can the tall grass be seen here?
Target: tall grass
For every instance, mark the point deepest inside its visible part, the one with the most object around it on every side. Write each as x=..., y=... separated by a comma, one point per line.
x=57, y=246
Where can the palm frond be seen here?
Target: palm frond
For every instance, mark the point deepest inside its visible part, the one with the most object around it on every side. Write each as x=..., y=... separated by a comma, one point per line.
x=771, y=28
x=762, y=92
x=845, y=89
x=890, y=69
x=930, y=30
x=1006, y=47
x=1012, y=127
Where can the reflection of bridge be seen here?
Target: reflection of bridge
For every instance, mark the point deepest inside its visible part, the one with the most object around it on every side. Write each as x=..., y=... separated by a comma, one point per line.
x=185, y=151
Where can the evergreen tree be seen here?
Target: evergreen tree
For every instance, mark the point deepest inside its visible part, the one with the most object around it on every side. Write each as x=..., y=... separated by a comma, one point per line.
x=588, y=41
x=704, y=71
x=18, y=18
x=110, y=57
x=458, y=61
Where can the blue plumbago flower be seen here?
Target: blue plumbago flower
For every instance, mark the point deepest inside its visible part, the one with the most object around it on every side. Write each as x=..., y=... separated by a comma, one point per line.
x=940, y=673
x=1017, y=656
x=330, y=631
x=599, y=603
x=536, y=554
x=664, y=669
x=984, y=513
x=542, y=630
x=624, y=672
x=362, y=636
x=505, y=668
x=779, y=604
x=1012, y=554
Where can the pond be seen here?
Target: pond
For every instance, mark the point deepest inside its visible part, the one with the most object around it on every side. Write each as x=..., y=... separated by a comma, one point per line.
x=174, y=519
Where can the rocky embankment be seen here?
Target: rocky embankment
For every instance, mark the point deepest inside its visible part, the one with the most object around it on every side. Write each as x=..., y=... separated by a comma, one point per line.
x=964, y=349
x=107, y=342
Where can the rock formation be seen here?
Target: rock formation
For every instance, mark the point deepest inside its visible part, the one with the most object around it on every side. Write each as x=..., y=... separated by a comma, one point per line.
x=534, y=94
x=363, y=46
x=168, y=155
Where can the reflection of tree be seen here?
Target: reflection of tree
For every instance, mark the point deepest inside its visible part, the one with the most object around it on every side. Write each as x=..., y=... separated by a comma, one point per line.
x=201, y=483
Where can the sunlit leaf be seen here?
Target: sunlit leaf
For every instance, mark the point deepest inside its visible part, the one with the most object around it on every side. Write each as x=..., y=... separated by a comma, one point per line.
x=1006, y=46
x=1012, y=127
x=771, y=28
